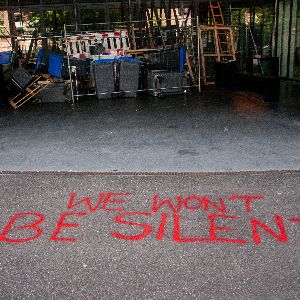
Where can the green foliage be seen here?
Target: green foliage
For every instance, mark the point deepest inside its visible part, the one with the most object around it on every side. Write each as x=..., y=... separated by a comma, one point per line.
x=52, y=19
x=115, y=15
x=89, y=16
x=268, y=22
x=236, y=17
x=242, y=16
x=1, y=18
x=264, y=17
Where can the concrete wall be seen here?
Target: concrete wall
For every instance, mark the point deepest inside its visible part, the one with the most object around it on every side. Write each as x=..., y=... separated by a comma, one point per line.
x=287, y=36
x=289, y=94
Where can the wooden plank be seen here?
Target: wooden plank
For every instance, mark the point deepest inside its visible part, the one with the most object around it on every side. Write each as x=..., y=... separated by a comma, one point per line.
x=214, y=54
x=202, y=65
x=34, y=35
x=217, y=44
x=232, y=44
x=210, y=27
x=148, y=28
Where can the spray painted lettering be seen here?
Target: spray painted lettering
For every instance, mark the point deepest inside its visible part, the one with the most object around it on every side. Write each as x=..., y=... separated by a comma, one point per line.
x=164, y=215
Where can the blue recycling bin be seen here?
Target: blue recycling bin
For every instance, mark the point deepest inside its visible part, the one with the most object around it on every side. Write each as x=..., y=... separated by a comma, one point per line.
x=55, y=65
x=5, y=57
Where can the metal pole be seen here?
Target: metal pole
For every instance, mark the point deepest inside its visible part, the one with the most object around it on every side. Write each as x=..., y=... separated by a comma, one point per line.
x=276, y=28
x=255, y=47
x=69, y=66
x=75, y=15
x=129, y=10
x=199, y=68
x=289, y=40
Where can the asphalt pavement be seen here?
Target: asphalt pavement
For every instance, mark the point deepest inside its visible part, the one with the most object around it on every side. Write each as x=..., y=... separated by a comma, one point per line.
x=150, y=236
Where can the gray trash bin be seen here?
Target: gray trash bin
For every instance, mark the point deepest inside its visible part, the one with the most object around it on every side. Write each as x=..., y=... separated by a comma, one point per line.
x=104, y=78
x=129, y=71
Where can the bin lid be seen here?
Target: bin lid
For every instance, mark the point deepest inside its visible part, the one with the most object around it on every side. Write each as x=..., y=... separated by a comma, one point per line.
x=125, y=58
x=103, y=61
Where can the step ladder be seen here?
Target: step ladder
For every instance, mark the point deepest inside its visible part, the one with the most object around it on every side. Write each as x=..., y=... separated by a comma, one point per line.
x=224, y=35
x=220, y=38
x=225, y=41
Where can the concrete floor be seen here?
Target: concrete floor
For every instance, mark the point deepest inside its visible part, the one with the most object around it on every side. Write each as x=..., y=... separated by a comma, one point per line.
x=216, y=131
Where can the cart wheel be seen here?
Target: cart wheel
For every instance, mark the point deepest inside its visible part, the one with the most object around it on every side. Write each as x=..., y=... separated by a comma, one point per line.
x=160, y=95
x=36, y=100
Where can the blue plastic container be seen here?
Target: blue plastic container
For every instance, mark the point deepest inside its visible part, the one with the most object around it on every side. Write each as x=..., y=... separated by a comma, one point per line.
x=39, y=59
x=5, y=58
x=182, y=58
x=55, y=65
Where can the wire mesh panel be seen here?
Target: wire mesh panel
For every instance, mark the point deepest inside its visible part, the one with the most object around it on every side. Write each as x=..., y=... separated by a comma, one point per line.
x=21, y=78
x=55, y=92
x=163, y=82
x=82, y=67
x=164, y=59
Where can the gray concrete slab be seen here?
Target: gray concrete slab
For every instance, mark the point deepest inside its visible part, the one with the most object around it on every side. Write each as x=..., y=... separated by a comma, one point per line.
x=216, y=131
x=101, y=266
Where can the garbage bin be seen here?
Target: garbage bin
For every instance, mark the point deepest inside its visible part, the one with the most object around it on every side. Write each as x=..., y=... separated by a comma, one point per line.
x=2, y=86
x=129, y=71
x=225, y=74
x=55, y=65
x=104, y=75
x=5, y=57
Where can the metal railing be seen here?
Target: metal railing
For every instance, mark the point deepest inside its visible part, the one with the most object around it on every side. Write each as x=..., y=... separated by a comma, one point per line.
x=24, y=3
